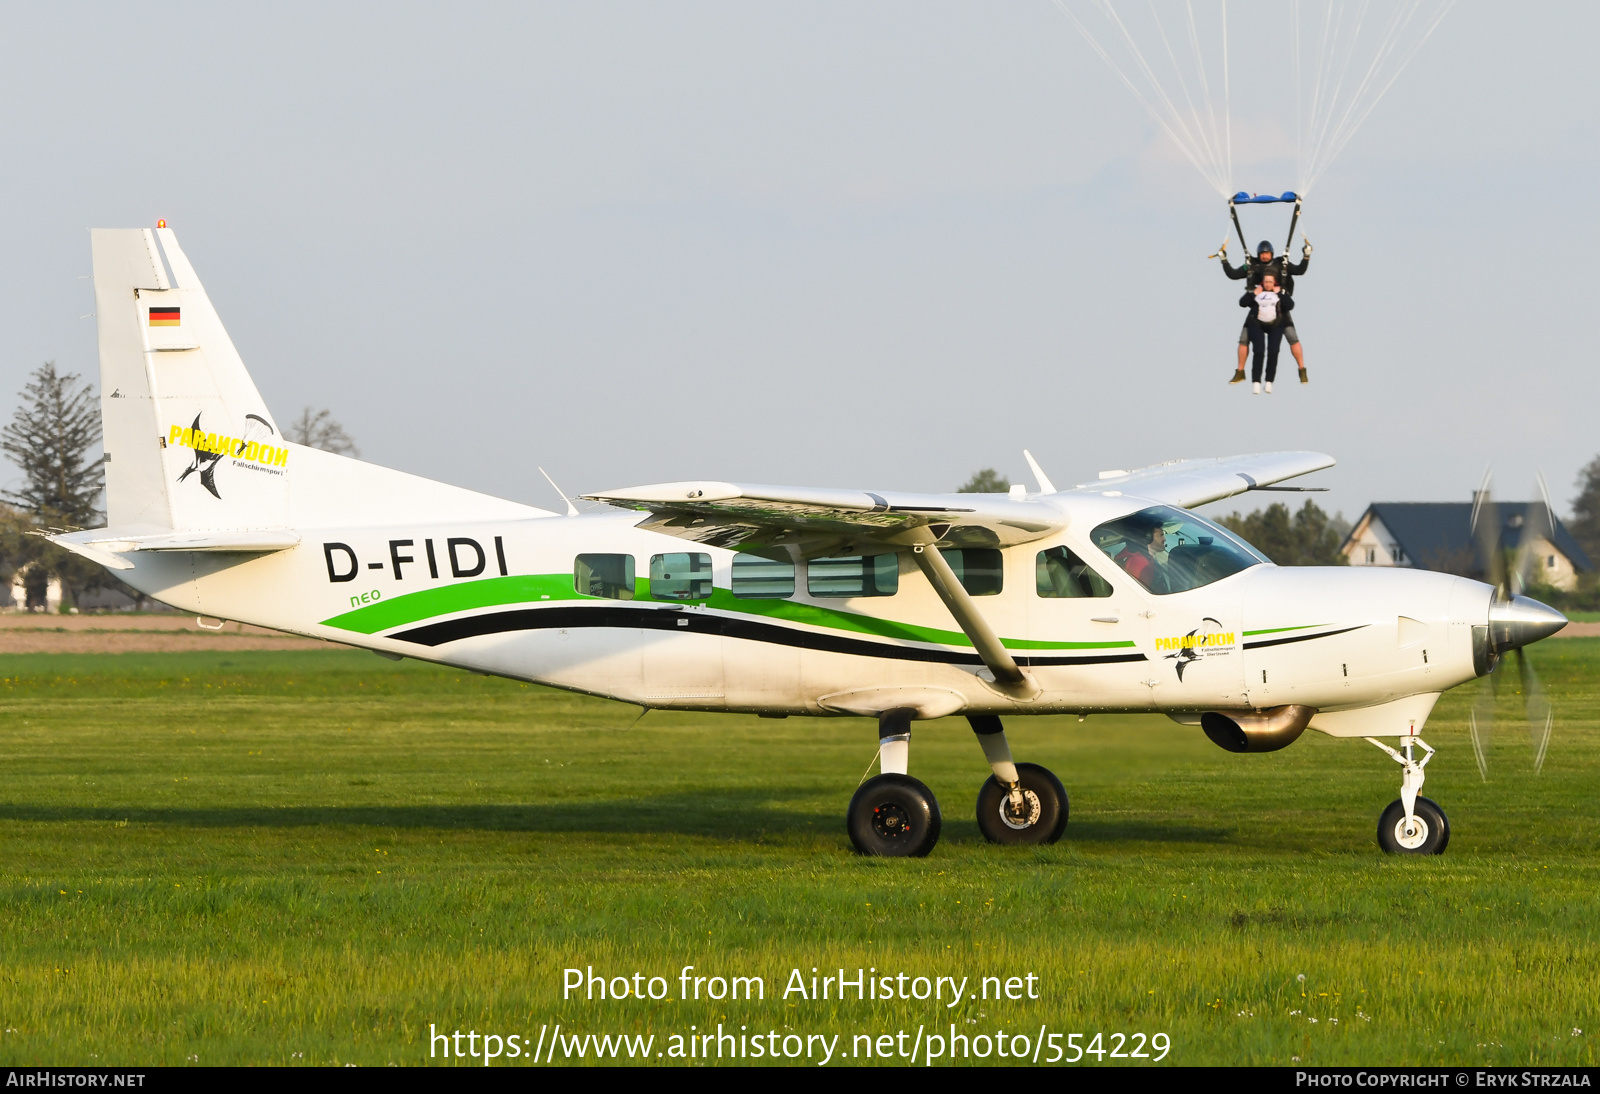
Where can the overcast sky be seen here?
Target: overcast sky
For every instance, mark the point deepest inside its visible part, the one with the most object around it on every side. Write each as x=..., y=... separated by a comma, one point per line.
x=872, y=245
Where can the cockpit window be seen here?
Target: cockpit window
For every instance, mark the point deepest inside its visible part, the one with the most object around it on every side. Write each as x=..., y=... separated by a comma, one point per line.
x=1171, y=551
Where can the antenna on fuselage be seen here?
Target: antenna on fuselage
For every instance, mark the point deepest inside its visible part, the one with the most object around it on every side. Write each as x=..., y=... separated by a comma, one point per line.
x=572, y=510
x=1045, y=485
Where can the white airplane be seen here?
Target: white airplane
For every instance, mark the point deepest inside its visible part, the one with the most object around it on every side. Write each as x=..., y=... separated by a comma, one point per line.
x=1109, y=596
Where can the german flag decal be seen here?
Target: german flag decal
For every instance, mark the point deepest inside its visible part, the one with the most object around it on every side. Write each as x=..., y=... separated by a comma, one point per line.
x=163, y=317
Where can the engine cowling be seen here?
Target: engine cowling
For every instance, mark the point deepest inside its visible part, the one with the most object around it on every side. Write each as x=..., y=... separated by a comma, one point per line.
x=1257, y=731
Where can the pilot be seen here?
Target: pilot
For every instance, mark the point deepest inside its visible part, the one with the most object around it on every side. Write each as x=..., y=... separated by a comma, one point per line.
x=1253, y=270
x=1147, y=539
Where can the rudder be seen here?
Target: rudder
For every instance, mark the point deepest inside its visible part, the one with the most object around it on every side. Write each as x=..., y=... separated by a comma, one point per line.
x=189, y=442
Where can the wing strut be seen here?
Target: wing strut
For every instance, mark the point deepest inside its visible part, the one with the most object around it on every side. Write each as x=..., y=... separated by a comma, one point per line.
x=1007, y=673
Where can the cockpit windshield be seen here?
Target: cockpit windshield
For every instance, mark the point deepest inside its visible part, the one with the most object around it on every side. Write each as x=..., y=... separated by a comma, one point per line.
x=1169, y=550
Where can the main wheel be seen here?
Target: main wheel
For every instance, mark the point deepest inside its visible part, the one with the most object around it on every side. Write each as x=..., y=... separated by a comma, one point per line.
x=895, y=816
x=1429, y=836
x=1042, y=818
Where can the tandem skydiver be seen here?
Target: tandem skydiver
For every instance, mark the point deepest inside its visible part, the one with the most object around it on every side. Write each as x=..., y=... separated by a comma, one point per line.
x=1253, y=270
x=1265, y=327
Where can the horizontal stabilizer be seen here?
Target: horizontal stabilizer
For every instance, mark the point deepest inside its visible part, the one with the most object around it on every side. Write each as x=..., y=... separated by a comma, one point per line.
x=244, y=542
x=107, y=546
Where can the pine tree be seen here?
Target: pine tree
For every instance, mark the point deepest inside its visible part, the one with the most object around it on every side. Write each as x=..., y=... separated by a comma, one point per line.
x=51, y=435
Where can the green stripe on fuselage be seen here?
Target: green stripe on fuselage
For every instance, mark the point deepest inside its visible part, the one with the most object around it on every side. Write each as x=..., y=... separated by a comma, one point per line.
x=535, y=589
x=1280, y=630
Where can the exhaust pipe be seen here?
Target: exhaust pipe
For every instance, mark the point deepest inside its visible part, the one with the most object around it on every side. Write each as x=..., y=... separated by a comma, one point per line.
x=1257, y=731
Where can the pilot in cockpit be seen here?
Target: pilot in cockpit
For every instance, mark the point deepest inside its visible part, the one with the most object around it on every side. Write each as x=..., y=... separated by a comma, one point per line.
x=1142, y=554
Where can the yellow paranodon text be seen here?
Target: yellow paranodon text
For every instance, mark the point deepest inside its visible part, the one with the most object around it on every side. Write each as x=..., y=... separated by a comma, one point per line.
x=1195, y=641
x=251, y=451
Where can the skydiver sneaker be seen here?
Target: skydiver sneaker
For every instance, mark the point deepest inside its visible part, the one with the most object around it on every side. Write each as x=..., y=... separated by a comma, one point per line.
x=1255, y=388
x=1303, y=378
x=1238, y=377
x=1269, y=387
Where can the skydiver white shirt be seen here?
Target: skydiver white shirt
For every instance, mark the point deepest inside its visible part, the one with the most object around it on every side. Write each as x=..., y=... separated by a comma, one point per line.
x=1267, y=307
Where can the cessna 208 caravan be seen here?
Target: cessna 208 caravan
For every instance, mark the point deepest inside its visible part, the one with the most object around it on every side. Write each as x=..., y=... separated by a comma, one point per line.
x=1110, y=596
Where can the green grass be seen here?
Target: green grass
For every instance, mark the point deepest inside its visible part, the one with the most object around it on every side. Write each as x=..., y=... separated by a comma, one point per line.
x=293, y=857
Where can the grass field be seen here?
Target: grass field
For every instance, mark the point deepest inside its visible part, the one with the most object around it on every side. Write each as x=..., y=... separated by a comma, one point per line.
x=308, y=857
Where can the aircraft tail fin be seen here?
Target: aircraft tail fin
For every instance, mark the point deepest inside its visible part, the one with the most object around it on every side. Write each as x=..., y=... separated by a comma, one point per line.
x=190, y=444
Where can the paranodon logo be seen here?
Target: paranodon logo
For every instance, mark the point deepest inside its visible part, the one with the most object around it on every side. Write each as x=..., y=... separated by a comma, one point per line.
x=1206, y=640
x=211, y=448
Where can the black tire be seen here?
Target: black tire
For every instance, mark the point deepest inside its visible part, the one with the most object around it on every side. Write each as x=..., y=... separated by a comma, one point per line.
x=1432, y=840
x=895, y=816
x=1045, y=800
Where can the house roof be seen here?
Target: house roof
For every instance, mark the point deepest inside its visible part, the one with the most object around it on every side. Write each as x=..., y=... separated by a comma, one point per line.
x=1437, y=535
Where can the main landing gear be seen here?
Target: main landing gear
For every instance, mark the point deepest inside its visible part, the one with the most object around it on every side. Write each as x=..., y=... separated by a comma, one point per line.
x=1412, y=825
x=896, y=815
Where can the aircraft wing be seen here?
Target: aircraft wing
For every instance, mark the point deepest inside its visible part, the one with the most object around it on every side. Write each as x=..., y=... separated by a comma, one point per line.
x=817, y=522
x=1188, y=483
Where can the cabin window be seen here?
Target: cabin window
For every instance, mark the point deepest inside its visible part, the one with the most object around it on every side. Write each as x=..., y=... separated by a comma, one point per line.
x=610, y=576
x=758, y=578
x=682, y=575
x=979, y=569
x=1169, y=550
x=1059, y=572
x=855, y=575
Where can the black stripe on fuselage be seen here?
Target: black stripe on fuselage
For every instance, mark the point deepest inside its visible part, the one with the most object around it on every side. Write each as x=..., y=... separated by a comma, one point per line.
x=1300, y=638
x=680, y=622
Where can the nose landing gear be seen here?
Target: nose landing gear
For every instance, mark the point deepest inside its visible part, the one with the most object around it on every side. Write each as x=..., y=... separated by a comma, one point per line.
x=1412, y=825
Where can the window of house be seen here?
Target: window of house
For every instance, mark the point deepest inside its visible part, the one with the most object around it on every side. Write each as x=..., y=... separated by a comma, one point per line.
x=1372, y=556
x=854, y=575
x=681, y=575
x=1059, y=572
x=981, y=570
x=758, y=578
x=1550, y=563
x=610, y=576
x=1396, y=553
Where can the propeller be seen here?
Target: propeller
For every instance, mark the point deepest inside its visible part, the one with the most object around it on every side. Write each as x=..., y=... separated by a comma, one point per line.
x=1515, y=620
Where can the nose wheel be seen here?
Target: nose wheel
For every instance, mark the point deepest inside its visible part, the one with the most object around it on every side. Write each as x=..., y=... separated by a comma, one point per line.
x=1412, y=825
x=1425, y=832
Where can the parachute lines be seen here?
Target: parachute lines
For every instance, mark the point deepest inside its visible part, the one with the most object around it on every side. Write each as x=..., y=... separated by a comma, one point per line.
x=1357, y=50
x=1210, y=153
